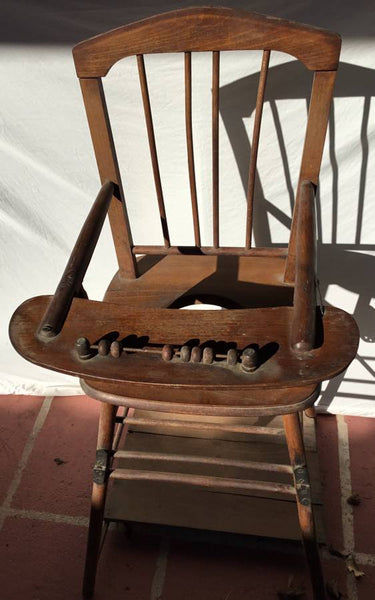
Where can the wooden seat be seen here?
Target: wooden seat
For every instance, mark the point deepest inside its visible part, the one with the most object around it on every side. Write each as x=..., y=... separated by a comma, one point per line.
x=230, y=281
x=272, y=346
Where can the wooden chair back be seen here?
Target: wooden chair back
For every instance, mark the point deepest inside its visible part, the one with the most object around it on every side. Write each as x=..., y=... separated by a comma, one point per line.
x=201, y=30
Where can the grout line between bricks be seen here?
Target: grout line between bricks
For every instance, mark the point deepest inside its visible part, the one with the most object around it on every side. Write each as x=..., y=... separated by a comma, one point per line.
x=38, y=424
x=365, y=559
x=160, y=570
x=346, y=491
x=36, y=515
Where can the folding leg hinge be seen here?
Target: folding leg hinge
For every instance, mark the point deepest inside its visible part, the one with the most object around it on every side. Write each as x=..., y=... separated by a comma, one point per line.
x=101, y=468
x=302, y=483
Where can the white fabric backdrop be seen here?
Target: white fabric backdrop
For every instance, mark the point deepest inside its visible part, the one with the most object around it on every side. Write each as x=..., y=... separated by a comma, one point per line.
x=49, y=176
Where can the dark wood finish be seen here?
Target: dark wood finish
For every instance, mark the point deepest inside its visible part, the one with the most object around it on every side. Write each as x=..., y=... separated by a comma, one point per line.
x=204, y=460
x=230, y=485
x=215, y=146
x=104, y=347
x=102, y=139
x=232, y=357
x=196, y=354
x=269, y=328
x=153, y=151
x=71, y=281
x=303, y=335
x=167, y=352
x=317, y=122
x=221, y=29
x=266, y=514
x=180, y=280
x=205, y=29
x=298, y=461
x=198, y=508
x=115, y=349
x=83, y=348
x=266, y=355
x=190, y=150
x=261, y=402
x=204, y=426
x=208, y=355
x=99, y=490
x=310, y=412
x=250, y=360
x=255, y=145
x=210, y=250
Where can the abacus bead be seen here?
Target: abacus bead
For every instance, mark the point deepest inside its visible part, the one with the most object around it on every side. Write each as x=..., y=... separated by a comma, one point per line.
x=208, y=356
x=103, y=347
x=249, y=360
x=167, y=352
x=115, y=349
x=83, y=348
x=185, y=353
x=232, y=357
x=196, y=354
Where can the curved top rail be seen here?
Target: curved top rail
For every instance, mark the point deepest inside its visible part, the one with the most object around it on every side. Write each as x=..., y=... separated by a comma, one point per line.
x=201, y=29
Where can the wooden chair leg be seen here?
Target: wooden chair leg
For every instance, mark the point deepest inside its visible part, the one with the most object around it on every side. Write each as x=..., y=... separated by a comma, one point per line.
x=297, y=456
x=310, y=412
x=99, y=489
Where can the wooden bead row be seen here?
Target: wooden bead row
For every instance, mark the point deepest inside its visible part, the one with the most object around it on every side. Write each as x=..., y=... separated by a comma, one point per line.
x=248, y=359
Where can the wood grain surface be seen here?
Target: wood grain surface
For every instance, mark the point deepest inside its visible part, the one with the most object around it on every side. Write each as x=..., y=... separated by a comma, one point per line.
x=204, y=29
x=268, y=328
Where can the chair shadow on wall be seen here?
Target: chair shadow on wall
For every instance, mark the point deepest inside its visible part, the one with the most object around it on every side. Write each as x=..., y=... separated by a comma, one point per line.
x=338, y=263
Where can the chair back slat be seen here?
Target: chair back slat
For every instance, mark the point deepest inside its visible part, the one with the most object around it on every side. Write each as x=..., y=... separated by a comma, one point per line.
x=215, y=146
x=104, y=148
x=190, y=149
x=152, y=145
x=200, y=30
x=255, y=145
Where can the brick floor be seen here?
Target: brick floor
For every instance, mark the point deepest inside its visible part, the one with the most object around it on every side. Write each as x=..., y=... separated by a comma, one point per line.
x=18, y=414
x=68, y=435
x=45, y=507
x=362, y=444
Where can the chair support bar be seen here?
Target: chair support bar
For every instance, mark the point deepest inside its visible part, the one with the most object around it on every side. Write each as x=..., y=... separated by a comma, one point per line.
x=228, y=485
x=71, y=282
x=303, y=325
x=205, y=426
x=202, y=460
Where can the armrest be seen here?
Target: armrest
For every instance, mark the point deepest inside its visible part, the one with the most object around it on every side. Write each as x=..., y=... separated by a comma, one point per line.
x=71, y=282
x=304, y=301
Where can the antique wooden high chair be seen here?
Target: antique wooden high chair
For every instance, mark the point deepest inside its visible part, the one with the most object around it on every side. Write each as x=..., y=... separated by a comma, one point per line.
x=135, y=349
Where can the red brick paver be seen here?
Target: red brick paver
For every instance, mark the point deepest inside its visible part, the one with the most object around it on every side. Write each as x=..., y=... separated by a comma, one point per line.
x=18, y=414
x=42, y=557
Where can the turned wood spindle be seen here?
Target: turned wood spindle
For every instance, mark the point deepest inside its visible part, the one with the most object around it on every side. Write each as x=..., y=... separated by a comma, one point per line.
x=167, y=352
x=185, y=353
x=115, y=349
x=208, y=356
x=83, y=348
x=232, y=357
x=104, y=347
x=249, y=360
x=196, y=354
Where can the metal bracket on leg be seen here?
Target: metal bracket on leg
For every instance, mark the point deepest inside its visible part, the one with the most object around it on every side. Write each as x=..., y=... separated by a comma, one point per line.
x=302, y=483
x=101, y=467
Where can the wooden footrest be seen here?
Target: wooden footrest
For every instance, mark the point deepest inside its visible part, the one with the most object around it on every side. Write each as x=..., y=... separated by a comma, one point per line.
x=204, y=481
